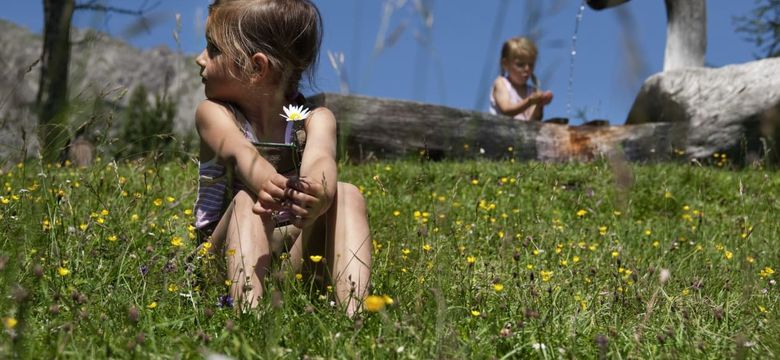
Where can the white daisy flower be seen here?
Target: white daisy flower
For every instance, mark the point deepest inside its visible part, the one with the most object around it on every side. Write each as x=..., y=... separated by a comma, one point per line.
x=295, y=113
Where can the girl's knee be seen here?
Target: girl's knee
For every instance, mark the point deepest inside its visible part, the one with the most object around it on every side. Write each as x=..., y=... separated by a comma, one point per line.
x=243, y=200
x=350, y=195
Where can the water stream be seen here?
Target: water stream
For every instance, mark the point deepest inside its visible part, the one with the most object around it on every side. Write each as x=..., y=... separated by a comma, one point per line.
x=570, y=91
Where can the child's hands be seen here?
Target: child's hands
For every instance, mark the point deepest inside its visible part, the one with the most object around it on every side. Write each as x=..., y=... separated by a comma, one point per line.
x=539, y=97
x=308, y=201
x=271, y=195
x=546, y=97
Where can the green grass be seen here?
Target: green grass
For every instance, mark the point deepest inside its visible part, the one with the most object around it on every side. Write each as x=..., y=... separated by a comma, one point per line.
x=576, y=258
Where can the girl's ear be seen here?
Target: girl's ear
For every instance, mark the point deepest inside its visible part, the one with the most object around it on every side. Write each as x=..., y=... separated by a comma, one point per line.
x=261, y=66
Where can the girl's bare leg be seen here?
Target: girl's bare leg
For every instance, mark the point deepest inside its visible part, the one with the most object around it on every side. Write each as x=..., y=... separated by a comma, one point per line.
x=248, y=256
x=346, y=247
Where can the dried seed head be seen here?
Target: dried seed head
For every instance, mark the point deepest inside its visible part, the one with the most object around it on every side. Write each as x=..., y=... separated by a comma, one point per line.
x=38, y=271
x=663, y=276
x=20, y=294
x=133, y=314
x=276, y=299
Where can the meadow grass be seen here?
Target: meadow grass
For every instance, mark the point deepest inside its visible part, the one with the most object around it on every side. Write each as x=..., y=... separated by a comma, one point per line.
x=473, y=259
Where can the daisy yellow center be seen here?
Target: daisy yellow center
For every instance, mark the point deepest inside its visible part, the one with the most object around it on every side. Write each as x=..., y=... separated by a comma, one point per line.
x=295, y=116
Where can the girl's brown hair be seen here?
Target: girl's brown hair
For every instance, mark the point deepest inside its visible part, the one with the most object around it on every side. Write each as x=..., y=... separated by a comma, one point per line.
x=288, y=32
x=519, y=47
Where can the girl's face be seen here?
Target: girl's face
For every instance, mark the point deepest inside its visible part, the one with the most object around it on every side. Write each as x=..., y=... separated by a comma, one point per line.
x=519, y=69
x=220, y=84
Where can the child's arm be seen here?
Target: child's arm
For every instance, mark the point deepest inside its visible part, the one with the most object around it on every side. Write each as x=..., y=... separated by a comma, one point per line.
x=504, y=100
x=319, y=172
x=220, y=135
x=536, y=99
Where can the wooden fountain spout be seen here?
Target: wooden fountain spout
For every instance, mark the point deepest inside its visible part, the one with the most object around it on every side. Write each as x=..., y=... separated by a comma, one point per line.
x=686, y=31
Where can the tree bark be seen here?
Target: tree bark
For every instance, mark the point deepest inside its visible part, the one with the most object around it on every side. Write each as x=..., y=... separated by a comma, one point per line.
x=52, y=99
x=686, y=34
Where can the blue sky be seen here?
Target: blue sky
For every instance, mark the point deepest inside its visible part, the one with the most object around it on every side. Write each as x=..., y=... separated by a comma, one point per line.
x=462, y=51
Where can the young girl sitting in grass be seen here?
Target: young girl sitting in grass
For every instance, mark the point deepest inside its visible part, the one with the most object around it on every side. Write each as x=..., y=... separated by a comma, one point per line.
x=511, y=94
x=256, y=53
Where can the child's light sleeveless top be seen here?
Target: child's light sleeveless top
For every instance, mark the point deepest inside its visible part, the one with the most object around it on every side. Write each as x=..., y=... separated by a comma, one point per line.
x=212, y=178
x=516, y=98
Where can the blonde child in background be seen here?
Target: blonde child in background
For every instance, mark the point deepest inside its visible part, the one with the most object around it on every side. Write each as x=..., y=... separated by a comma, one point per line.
x=511, y=94
x=256, y=53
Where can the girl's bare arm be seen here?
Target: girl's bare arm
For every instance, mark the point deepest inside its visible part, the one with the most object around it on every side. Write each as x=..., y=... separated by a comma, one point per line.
x=504, y=100
x=221, y=136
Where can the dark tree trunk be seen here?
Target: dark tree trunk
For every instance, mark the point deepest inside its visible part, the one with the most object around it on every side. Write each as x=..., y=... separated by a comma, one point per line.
x=52, y=100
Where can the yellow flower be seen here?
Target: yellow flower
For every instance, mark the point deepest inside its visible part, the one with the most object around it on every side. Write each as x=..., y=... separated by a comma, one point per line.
x=111, y=238
x=188, y=212
x=396, y=213
x=104, y=212
x=170, y=199
x=315, y=258
x=471, y=259
x=10, y=323
x=298, y=276
x=615, y=254
x=374, y=303
x=728, y=254
x=575, y=259
x=61, y=271
x=648, y=232
x=405, y=251
x=546, y=275
x=83, y=227
x=474, y=182
x=176, y=241
x=134, y=217
x=228, y=282
x=172, y=287
x=475, y=313
x=427, y=247
x=152, y=305
x=498, y=287
x=158, y=202
x=582, y=212
x=766, y=272
x=602, y=230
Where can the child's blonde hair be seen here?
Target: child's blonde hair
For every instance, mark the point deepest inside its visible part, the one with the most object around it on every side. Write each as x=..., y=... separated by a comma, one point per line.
x=288, y=32
x=518, y=47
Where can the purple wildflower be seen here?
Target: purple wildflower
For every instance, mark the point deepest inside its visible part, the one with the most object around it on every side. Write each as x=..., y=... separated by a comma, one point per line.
x=225, y=301
x=143, y=269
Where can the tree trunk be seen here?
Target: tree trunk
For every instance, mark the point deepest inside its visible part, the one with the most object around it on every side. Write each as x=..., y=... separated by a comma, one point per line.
x=686, y=34
x=52, y=99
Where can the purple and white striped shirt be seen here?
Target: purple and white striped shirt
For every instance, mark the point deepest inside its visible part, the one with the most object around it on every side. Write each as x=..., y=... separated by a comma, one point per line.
x=212, y=178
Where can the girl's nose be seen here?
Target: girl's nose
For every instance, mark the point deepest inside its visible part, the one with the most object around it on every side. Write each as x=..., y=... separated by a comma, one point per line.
x=201, y=58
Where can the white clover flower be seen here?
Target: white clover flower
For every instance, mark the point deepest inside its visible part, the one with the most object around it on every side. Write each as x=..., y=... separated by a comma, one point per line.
x=295, y=113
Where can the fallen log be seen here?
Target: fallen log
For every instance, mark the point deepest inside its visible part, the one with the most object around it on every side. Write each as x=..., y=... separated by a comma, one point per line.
x=387, y=129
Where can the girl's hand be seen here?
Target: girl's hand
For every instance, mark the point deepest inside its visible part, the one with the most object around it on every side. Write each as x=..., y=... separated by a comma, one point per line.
x=546, y=97
x=308, y=201
x=271, y=195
